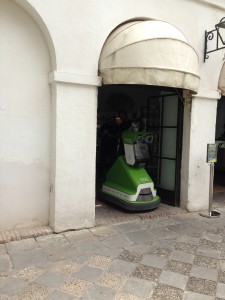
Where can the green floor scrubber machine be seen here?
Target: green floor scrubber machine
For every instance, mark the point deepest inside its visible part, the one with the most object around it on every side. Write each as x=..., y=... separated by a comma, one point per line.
x=127, y=183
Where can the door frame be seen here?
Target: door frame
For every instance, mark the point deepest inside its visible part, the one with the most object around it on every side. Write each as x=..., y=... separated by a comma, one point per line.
x=171, y=197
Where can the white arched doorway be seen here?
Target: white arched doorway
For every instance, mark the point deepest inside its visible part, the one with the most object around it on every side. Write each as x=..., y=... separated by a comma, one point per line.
x=154, y=58
x=25, y=129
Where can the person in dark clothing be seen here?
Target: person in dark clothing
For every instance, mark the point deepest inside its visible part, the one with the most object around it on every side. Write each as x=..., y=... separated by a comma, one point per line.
x=108, y=144
x=125, y=124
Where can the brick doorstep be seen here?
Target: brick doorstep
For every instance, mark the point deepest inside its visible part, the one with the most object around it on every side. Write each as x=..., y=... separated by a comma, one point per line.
x=24, y=233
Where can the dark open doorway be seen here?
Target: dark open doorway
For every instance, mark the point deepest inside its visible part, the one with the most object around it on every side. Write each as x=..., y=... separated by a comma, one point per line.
x=219, y=174
x=160, y=110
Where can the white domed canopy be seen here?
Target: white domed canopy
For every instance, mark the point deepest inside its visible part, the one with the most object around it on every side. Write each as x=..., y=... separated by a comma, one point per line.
x=149, y=52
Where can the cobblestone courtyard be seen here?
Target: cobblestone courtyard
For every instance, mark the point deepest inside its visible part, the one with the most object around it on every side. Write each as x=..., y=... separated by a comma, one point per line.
x=179, y=256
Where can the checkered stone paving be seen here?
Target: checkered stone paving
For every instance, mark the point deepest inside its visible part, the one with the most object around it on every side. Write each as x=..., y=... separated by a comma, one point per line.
x=180, y=258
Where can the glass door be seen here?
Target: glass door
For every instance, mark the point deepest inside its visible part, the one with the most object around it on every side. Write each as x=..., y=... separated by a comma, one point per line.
x=165, y=120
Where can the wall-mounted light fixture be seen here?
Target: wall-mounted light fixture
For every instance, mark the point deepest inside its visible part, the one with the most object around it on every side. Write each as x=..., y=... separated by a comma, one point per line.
x=219, y=34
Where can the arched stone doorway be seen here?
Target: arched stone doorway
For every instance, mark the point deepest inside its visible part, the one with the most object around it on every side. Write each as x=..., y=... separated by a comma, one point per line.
x=219, y=172
x=153, y=63
x=25, y=129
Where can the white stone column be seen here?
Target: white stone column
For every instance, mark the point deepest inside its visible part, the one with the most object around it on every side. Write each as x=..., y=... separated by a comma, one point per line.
x=199, y=130
x=72, y=204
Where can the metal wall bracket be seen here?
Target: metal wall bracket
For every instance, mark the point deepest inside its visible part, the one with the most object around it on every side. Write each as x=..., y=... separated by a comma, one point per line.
x=216, y=37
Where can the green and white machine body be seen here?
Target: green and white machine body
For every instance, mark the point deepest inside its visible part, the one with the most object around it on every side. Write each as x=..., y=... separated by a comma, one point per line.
x=127, y=183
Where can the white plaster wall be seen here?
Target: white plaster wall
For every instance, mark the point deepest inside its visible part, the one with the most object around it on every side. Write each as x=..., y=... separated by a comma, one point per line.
x=74, y=181
x=25, y=116
x=83, y=27
x=202, y=133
